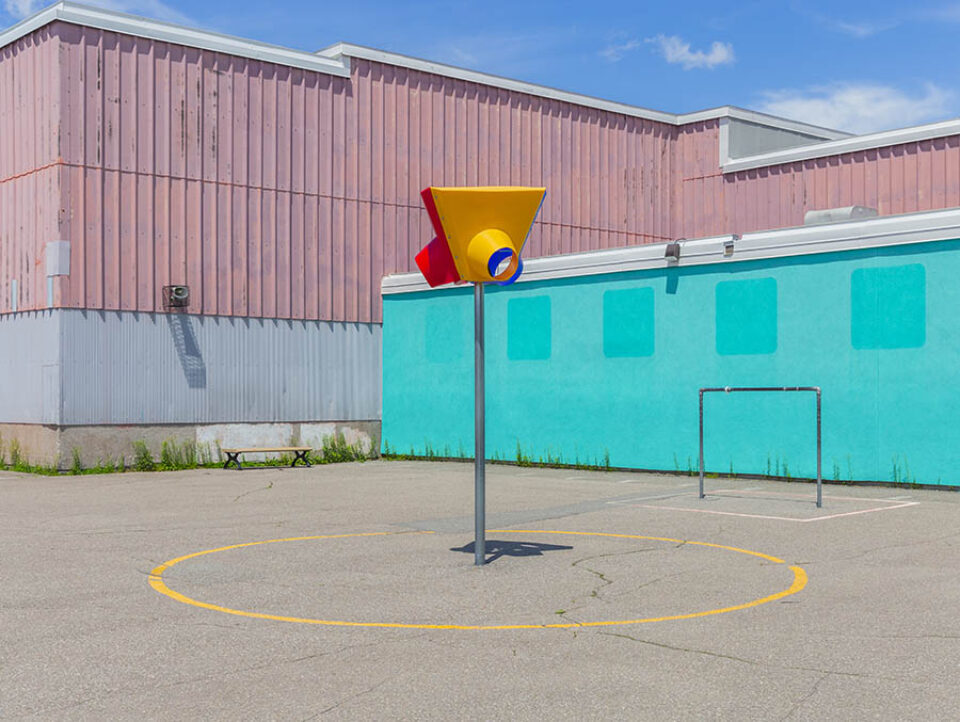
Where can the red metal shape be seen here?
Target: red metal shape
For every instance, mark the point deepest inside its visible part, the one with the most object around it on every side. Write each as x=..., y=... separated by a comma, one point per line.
x=436, y=263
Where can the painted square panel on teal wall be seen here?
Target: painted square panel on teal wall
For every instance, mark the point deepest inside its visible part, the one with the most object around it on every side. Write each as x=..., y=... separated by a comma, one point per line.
x=445, y=337
x=528, y=328
x=628, y=320
x=746, y=316
x=888, y=307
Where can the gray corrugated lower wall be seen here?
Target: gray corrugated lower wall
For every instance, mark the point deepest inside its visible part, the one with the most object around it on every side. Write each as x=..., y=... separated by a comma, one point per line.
x=144, y=368
x=30, y=367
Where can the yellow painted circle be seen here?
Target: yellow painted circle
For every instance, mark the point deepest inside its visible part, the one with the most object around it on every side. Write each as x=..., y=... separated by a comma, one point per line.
x=156, y=581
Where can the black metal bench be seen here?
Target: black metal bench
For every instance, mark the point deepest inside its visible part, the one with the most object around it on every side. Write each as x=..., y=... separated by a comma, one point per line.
x=299, y=452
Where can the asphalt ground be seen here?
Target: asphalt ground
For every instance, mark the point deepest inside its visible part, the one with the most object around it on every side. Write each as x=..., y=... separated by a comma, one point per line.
x=607, y=596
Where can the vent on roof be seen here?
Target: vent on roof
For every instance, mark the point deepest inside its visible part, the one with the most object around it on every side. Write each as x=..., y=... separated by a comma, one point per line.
x=838, y=215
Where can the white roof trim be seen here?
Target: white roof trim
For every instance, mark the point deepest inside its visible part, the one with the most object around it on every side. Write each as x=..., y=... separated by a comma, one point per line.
x=334, y=60
x=84, y=15
x=847, y=145
x=349, y=50
x=803, y=240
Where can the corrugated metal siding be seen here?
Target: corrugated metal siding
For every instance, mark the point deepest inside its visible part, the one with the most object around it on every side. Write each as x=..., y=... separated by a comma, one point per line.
x=898, y=179
x=29, y=177
x=30, y=368
x=278, y=192
x=282, y=193
x=145, y=368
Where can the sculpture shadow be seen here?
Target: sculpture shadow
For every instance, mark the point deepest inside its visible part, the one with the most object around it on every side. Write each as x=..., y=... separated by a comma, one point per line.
x=496, y=548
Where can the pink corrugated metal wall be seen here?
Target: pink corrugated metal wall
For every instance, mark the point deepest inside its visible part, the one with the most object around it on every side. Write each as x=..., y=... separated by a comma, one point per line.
x=274, y=191
x=29, y=176
x=279, y=192
x=897, y=179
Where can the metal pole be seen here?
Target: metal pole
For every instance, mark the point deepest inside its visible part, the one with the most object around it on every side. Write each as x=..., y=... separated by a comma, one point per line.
x=701, y=443
x=819, y=474
x=479, y=458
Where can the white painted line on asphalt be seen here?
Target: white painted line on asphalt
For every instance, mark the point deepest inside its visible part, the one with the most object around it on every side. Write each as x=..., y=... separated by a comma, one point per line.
x=805, y=497
x=722, y=513
x=782, y=518
x=648, y=483
x=865, y=511
x=632, y=501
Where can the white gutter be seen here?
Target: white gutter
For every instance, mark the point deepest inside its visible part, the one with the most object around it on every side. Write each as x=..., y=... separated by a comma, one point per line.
x=76, y=14
x=803, y=240
x=348, y=50
x=853, y=144
x=335, y=60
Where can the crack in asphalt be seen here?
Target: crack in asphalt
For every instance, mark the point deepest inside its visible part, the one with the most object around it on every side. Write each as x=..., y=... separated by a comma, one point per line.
x=595, y=593
x=355, y=696
x=368, y=690
x=673, y=648
x=215, y=675
x=259, y=488
x=808, y=695
x=871, y=550
x=604, y=580
x=765, y=665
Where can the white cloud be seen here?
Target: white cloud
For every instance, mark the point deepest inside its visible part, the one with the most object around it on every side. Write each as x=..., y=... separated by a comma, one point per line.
x=152, y=8
x=511, y=54
x=675, y=50
x=860, y=108
x=614, y=52
x=858, y=29
x=22, y=8
x=948, y=13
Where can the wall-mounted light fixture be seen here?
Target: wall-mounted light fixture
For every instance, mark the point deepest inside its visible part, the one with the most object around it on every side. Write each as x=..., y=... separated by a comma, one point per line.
x=672, y=253
x=176, y=296
x=728, y=245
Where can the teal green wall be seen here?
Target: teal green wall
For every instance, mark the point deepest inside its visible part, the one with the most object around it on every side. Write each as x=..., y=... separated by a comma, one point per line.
x=582, y=368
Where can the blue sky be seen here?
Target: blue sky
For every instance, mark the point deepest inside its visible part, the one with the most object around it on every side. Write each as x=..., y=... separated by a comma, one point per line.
x=857, y=66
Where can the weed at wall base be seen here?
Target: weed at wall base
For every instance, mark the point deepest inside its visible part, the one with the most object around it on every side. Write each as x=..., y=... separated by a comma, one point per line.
x=336, y=450
x=77, y=467
x=142, y=458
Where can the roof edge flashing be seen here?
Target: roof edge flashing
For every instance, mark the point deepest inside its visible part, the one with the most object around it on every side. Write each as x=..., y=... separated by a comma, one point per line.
x=344, y=49
x=335, y=60
x=925, y=227
x=160, y=30
x=842, y=146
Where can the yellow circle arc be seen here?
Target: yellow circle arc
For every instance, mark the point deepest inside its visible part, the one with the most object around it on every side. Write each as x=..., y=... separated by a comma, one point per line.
x=156, y=581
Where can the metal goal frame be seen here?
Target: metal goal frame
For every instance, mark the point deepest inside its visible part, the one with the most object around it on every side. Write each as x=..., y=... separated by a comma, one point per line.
x=736, y=389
